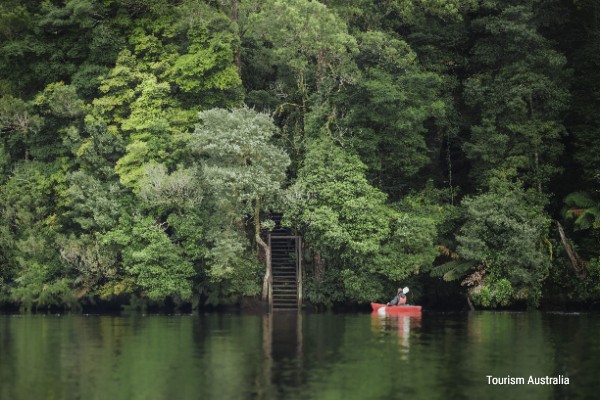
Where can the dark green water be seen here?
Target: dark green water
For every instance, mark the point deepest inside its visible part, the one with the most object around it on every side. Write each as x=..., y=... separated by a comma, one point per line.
x=289, y=356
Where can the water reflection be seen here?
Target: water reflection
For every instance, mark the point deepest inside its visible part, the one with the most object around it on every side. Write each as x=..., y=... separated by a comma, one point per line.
x=282, y=343
x=400, y=325
x=284, y=334
x=296, y=356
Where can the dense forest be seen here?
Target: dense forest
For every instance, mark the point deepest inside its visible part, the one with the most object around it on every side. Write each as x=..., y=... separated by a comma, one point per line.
x=449, y=145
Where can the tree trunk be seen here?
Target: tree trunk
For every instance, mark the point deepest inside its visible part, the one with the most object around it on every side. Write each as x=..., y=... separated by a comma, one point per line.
x=266, y=289
x=320, y=67
x=319, y=266
x=234, y=11
x=238, y=50
x=449, y=166
x=470, y=303
x=575, y=260
x=537, y=171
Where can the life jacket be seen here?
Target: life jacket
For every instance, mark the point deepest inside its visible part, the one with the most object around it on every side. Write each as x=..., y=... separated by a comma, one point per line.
x=402, y=300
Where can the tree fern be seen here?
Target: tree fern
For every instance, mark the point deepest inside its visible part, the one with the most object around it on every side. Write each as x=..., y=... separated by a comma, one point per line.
x=579, y=200
x=452, y=270
x=582, y=207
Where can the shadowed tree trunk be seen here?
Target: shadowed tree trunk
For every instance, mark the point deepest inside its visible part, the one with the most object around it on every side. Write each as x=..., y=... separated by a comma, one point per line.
x=575, y=260
x=238, y=50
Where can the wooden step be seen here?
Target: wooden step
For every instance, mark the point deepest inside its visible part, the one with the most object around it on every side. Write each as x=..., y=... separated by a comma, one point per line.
x=285, y=302
x=285, y=306
x=284, y=293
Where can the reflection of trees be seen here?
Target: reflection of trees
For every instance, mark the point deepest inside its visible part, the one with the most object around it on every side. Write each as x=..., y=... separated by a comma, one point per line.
x=7, y=357
x=502, y=344
x=295, y=356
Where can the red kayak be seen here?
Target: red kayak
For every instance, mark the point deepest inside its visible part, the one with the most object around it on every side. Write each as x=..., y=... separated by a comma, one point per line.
x=402, y=310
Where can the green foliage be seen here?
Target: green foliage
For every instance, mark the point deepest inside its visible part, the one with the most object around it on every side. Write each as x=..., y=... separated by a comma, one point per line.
x=231, y=272
x=91, y=203
x=32, y=268
x=300, y=55
x=151, y=259
x=346, y=219
x=505, y=231
x=60, y=100
x=339, y=213
x=585, y=210
x=391, y=103
x=452, y=270
x=242, y=172
x=302, y=31
x=131, y=167
x=334, y=205
x=499, y=293
x=592, y=284
x=394, y=14
x=195, y=72
x=360, y=287
x=18, y=126
x=34, y=292
x=189, y=232
x=564, y=286
x=411, y=249
x=583, y=32
x=242, y=165
x=518, y=93
x=98, y=148
x=325, y=290
x=111, y=186
x=94, y=266
x=178, y=191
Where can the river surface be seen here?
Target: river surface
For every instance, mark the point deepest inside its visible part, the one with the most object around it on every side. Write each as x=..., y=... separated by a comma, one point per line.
x=298, y=356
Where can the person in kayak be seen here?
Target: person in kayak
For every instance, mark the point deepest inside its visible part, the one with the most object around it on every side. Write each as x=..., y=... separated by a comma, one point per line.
x=400, y=298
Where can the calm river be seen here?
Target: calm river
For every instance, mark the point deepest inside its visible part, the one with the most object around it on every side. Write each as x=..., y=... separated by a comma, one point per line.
x=298, y=356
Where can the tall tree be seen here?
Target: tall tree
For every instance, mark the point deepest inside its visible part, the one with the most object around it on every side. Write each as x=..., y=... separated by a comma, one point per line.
x=517, y=93
x=298, y=53
x=360, y=245
x=385, y=113
x=504, y=242
x=244, y=173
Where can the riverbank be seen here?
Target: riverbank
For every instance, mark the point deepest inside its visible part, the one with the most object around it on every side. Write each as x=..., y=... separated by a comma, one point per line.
x=255, y=305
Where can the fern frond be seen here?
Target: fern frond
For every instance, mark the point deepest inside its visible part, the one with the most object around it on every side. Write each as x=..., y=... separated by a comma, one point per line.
x=594, y=211
x=587, y=219
x=459, y=271
x=452, y=270
x=579, y=200
x=440, y=270
x=448, y=253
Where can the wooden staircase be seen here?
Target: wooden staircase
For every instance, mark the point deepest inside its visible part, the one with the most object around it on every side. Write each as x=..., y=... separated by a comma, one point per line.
x=286, y=268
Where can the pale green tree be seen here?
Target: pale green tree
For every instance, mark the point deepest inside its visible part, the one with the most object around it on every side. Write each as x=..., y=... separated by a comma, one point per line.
x=243, y=170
